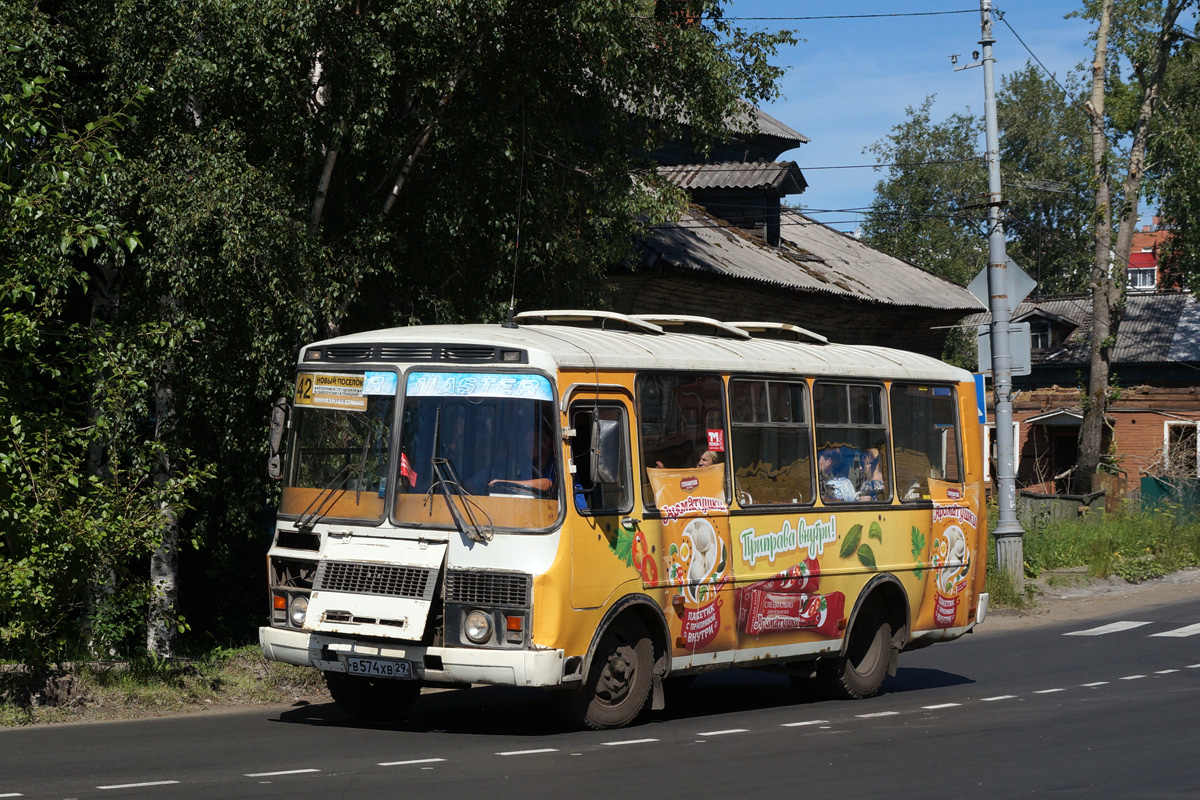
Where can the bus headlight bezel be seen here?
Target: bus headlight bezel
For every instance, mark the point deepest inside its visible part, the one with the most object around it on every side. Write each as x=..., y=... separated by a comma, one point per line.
x=298, y=611
x=478, y=626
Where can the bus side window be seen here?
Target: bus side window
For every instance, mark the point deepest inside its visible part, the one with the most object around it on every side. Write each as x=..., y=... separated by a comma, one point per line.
x=927, y=445
x=771, y=442
x=852, y=442
x=593, y=494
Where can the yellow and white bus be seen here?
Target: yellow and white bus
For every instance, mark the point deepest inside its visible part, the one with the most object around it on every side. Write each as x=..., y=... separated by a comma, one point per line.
x=591, y=502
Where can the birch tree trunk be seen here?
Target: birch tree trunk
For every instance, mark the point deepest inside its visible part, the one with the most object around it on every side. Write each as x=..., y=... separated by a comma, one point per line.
x=162, y=633
x=1108, y=271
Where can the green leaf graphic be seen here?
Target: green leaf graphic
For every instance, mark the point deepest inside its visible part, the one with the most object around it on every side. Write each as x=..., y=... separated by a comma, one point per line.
x=624, y=546
x=918, y=547
x=876, y=532
x=850, y=543
x=867, y=556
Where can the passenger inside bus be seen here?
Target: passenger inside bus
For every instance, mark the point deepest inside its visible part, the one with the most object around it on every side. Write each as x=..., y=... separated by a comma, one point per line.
x=871, y=485
x=708, y=458
x=836, y=487
x=531, y=465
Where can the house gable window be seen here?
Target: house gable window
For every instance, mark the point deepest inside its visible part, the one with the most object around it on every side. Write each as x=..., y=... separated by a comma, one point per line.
x=1142, y=278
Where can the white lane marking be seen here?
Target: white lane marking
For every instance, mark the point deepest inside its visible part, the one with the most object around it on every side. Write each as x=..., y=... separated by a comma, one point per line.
x=806, y=722
x=1049, y=691
x=722, y=733
x=628, y=741
x=1132, y=677
x=1192, y=666
x=527, y=752
x=280, y=772
x=133, y=785
x=1097, y=683
x=941, y=705
x=1166, y=671
x=1115, y=627
x=998, y=697
x=406, y=763
x=878, y=714
x=1190, y=630
x=12, y=794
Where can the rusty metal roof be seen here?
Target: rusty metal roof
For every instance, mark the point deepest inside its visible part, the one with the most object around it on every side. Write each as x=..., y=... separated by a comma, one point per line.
x=784, y=177
x=812, y=258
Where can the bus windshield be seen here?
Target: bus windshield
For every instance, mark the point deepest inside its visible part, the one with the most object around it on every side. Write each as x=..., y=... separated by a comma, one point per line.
x=494, y=436
x=338, y=459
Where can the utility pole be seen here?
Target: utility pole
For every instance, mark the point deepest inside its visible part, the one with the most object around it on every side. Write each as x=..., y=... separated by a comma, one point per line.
x=1010, y=551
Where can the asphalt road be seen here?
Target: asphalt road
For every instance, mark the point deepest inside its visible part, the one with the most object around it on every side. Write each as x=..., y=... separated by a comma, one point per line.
x=1064, y=711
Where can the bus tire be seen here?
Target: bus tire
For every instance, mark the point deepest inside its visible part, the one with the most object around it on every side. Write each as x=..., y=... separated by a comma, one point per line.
x=617, y=687
x=371, y=699
x=860, y=672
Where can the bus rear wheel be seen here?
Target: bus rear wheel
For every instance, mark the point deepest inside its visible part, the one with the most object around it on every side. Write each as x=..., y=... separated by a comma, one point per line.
x=617, y=686
x=371, y=699
x=861, y=671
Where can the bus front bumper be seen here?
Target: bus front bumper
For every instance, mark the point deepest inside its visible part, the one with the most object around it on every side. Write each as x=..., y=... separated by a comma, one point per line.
x=436, y=664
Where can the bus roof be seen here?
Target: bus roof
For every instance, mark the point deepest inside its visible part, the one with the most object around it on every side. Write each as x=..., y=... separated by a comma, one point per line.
x=569, y=341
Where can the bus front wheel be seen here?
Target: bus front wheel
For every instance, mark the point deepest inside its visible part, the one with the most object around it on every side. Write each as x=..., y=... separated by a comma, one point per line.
x=861, y=671
x=617, y=686
x=371, y=699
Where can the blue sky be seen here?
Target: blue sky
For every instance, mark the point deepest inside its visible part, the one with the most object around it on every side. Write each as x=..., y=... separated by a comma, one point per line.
x=851, y=80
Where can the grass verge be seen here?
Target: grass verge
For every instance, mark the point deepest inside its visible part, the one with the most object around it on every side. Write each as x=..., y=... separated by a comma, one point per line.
x=128, y=690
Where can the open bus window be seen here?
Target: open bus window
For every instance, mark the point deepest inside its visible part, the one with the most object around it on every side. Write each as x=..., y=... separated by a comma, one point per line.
x=771, y=442
x=681, y=416
x=495, y=437
x=927, y=444
x=852, y=442
x=594, y=494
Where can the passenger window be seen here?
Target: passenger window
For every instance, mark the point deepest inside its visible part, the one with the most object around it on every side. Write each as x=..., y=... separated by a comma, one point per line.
x=771, y=442
x=682, y=420
x=852, y=443
x=927, y=444
x=598, y=446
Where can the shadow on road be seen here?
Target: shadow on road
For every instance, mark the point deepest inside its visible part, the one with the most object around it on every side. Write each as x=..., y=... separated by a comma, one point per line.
x=508, y=711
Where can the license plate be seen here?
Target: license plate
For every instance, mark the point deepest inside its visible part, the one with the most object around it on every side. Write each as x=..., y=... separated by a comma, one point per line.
x=379, y=667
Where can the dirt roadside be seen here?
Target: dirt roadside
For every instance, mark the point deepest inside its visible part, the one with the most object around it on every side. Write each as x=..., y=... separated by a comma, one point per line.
x=1070, y=595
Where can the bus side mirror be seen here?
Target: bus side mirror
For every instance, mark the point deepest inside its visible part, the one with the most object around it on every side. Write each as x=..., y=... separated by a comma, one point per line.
x=606, y=450
x=279, y=423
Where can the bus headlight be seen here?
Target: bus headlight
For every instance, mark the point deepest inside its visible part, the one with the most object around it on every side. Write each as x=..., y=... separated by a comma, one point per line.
x=478, y=627
x=298, y=610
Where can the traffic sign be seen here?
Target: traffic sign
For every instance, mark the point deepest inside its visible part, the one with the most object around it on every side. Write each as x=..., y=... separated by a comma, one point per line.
x=1019, y=347
x=1019, y=286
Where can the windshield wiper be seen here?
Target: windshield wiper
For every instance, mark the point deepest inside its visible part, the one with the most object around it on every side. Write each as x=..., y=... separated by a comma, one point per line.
x=452, y=490
x=310, y=515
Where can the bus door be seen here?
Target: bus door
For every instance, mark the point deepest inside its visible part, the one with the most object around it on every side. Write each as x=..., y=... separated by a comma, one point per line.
x=608, y=551
x=681, y=417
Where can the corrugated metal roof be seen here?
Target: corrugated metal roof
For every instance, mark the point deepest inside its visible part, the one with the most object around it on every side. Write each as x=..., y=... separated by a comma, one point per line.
x=551, y=346
x=770, y=126
x=1156, y=327
x=782, y=176
x=813, y=258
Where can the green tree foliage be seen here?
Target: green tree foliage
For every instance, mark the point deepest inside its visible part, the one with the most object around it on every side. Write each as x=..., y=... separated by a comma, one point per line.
x=1044, y=162
x=300, y=169
x=926, y=210
x=928, y=207
x=1174, y=169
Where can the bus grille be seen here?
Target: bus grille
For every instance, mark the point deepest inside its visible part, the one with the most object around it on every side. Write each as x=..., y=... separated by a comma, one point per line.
x=416, y=583
x=488, y=588
x=416, y=352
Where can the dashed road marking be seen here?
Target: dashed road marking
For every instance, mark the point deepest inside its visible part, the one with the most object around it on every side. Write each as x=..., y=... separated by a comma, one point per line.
x=806, y=722
x=1166, y=671
x=141, y=785
x=629, y=741
x=877, y=714
x=1132, y=677
x=723, y=733
x=998, y=697
x=413, y=761
x=12, y=794
x=1115, y=627
x=940, y=706
x=527, y=752
x=1049, y=691
x=1094, y=683
x=279, y=772
x=1189, y=630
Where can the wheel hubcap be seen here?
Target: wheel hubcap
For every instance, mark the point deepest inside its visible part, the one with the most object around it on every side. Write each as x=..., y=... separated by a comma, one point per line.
x=618, y=675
